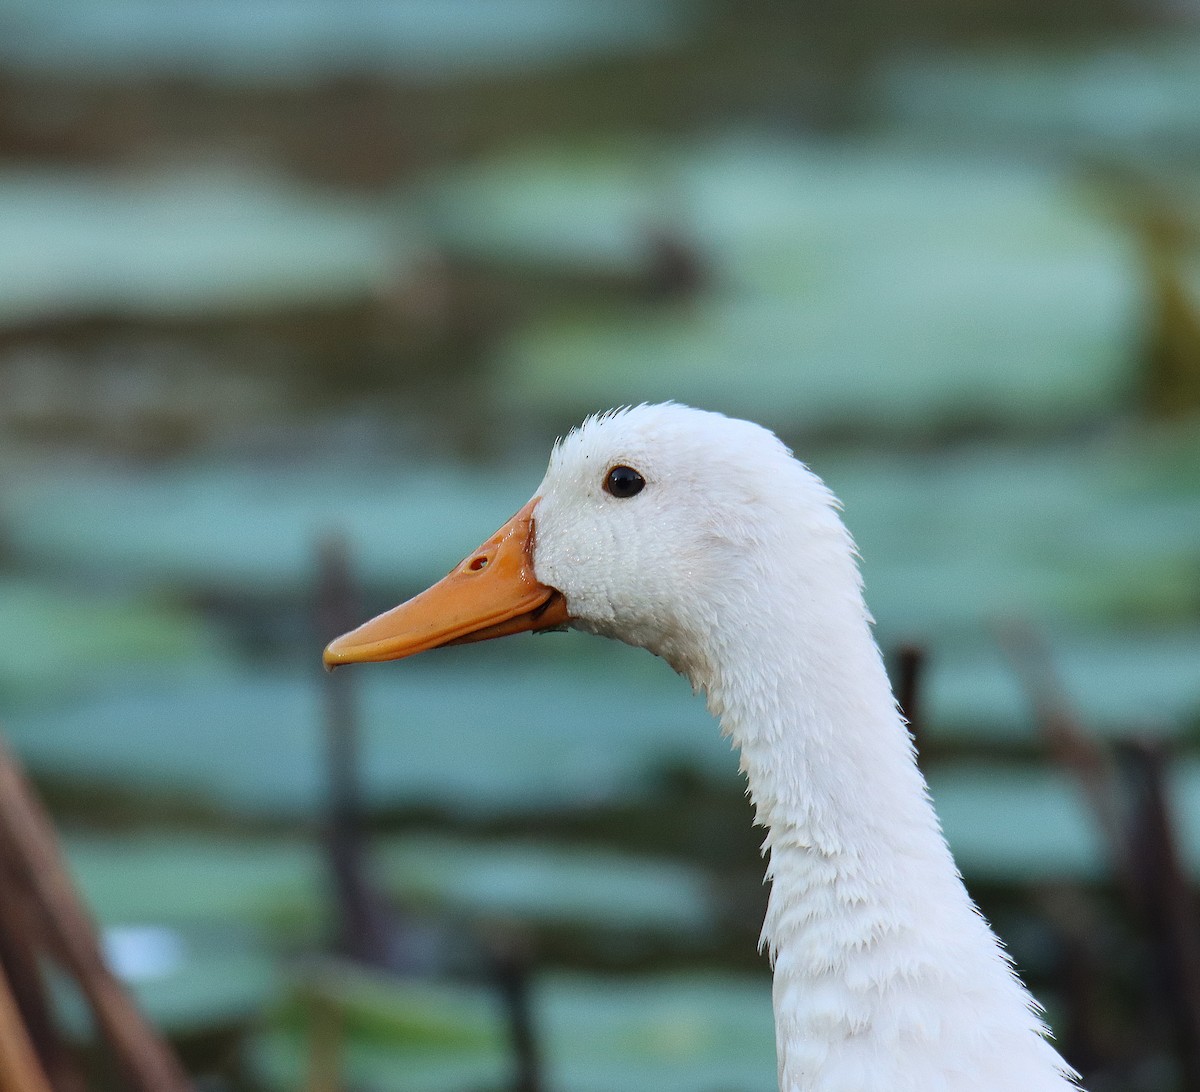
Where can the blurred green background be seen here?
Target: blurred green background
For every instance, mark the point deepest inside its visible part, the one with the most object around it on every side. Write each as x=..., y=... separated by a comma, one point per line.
x=281, y=273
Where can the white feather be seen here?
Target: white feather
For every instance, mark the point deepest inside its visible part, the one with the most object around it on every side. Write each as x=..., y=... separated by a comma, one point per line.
x=734, y=566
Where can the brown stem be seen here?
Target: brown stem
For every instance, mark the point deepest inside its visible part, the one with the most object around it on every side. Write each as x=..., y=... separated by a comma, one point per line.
x=1070, y=744
x=363, y=921
x=20, y=942
x=19, y=1068
x=30, y=848
x=1168, y=904
x=910, y=668
x=325, y=1045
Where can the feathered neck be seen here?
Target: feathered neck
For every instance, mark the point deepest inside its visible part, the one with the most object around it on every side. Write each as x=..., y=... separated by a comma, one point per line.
x=886, y=976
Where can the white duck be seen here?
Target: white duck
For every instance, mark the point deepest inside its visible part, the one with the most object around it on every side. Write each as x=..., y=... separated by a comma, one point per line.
x=701, y=539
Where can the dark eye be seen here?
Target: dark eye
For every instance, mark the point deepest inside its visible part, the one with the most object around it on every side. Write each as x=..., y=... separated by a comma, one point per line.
x=623, y=481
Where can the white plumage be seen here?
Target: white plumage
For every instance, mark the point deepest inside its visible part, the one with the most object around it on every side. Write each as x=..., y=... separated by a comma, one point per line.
x=719, y=552
x=734, y=566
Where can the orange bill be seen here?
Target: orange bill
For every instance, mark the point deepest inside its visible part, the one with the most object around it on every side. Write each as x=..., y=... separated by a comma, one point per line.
x=491, y=594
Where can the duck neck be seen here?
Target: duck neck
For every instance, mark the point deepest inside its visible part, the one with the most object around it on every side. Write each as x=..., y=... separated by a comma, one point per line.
x=877, y=949
x=833, y=779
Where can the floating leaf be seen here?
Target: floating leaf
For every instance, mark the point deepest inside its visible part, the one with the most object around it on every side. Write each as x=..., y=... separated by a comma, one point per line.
x=63, y=638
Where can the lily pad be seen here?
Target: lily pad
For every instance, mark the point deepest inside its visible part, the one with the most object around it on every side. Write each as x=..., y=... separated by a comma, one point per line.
x=186, y=881
x=1096, y=532
x=1117, y=683
x=496, y=732
x=585, y=213
x=476, y=730
x=185, y=243
x=223, y=978
x=286, y=43
x=680, y=1033
x=1017, y=824
x=182, y=881
x=63, y=638
x=186, y=981
x=212, y=526
x=1132, y=92
x=852, y=285
x=670, y=1033
x=534, y=882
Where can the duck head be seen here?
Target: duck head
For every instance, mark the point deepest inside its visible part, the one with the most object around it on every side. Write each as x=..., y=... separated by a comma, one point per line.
x=653, y=525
